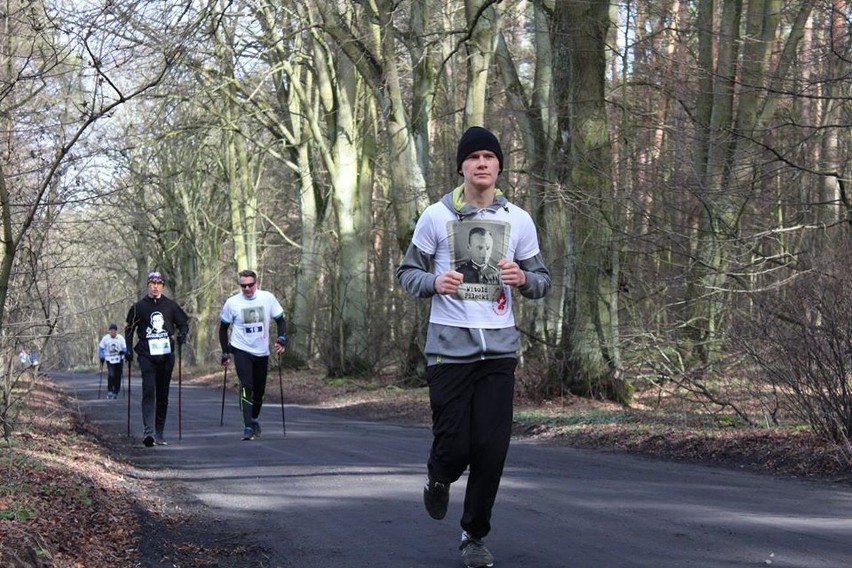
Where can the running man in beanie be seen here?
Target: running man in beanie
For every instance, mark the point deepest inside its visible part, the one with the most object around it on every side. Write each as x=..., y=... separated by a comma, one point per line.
x=472, y=343
x=247, y=314
x=112, y=349
x=158, y=322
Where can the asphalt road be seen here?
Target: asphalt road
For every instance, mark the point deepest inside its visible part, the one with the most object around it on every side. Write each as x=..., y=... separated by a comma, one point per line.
x=337, y=492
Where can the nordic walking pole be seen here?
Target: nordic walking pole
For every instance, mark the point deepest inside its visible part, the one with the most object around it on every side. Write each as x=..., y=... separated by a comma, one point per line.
x=281, y=389
x=180, y=358
x=129, y=363
x=224, y=386
x=101, y=380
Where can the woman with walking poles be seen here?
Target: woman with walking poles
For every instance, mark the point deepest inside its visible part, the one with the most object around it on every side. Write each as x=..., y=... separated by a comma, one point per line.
x=158, y=322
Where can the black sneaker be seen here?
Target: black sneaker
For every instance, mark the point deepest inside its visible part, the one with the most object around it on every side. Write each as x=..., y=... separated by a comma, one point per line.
x=248, y=433
x=148, y=440
x=159, y=440
x=255, y=425
x=436, y=496
x=474, y=553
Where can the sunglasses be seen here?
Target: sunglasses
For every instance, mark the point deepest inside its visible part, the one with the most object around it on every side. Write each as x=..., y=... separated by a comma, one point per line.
x=247, y=284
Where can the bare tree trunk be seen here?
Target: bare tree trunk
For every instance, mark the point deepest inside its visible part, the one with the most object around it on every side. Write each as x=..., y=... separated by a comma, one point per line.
x=714, y=223
x=350, y=352
x=735, y=117
x=236, y=167
x=376, y=62
x=590, y=342
x=483, y=26
x=302, y=320
x=832, y=190
x=540, y=321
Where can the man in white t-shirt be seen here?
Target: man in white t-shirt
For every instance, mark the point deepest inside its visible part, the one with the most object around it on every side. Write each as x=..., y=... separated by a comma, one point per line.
x=111, y=350
x=247, y=315
x=472, y=343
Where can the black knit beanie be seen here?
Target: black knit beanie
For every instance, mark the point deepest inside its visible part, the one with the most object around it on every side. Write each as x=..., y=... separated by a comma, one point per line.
x=477, y=138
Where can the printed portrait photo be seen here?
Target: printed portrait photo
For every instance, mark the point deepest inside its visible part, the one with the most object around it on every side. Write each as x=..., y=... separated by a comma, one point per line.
x=475, y=249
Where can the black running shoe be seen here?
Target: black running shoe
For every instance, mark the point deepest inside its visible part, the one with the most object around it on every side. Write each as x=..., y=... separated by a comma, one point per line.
x=148, y=440
x=248, y=433
x=474, y=553
x=436, y=497
x=255, y=425
x=159, y=440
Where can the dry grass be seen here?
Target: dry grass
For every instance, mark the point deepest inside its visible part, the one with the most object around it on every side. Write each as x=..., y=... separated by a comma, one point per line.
x=63, y=500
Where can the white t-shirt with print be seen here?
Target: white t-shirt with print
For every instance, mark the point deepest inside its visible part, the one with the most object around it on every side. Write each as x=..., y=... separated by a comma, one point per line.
x=250, y=319
x=440, y=233
x=112, y=348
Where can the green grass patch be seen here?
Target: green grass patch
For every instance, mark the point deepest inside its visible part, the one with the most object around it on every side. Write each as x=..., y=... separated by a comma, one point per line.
x=350, y=383
x=20, y=514
x=581, y=418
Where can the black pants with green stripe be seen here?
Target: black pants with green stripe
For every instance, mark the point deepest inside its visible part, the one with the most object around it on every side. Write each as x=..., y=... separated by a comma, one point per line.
x=471, y=427
x=252, y=371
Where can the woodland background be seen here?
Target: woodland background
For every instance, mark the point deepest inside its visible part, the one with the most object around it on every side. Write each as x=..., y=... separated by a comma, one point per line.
x=687, y=164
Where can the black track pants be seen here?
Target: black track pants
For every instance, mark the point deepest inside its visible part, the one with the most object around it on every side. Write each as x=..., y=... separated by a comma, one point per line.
x=471, y=427
x=251, y=370
x=156, y=374
x=114, y=377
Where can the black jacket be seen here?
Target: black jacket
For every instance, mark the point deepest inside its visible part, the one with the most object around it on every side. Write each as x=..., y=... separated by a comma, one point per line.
x=155, y=320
